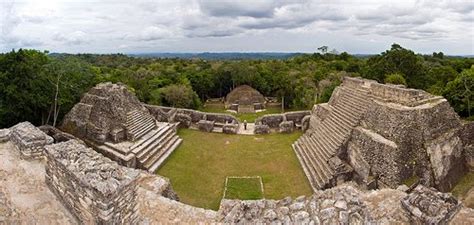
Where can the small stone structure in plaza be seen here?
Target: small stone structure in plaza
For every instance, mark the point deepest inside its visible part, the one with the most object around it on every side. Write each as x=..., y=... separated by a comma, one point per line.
x=245, y=99
x=94, y=188
x=111, y=119
x=382, y=134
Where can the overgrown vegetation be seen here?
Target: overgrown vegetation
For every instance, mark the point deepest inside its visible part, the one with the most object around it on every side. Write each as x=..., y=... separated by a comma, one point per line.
x=198, y=169
x=42, y=87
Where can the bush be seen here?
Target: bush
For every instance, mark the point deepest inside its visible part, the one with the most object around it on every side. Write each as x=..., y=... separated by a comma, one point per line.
x=175, y=95
x=395, y=78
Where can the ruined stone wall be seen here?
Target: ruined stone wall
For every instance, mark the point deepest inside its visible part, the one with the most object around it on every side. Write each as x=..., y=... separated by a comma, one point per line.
x=427, y=140
x=94, y=188
x=169, y=114
x=284, y=122
x=29, y=139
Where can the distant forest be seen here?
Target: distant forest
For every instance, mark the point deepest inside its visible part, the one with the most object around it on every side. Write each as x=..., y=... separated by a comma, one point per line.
x=42, y=87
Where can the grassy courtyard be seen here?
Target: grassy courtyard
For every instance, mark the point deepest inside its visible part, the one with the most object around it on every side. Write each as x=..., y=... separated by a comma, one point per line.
x=199, y=167
x=244, y=188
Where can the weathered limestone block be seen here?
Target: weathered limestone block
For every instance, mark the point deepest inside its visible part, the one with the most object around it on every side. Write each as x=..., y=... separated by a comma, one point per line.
x=428, y=206
x=305, y=122
x=183, y=119
x=371, y=154
x=296, y=116
x=58, y=135
x=321, y=110
x=446, y=160
x=287, y=127
x=94, y=188
x=272, y=120
x=29, y=139
x=469, y=157
x=205, y=125
x=467, y=133
x=4, y=135
x=195, y=115
x=262, y=129
x=220, y=118
x=230, y=128
x=161, y=113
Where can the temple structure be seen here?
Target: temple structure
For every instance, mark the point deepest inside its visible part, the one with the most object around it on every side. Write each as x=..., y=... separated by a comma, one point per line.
x=245, y=99
x=382, y=135
x=111, y=119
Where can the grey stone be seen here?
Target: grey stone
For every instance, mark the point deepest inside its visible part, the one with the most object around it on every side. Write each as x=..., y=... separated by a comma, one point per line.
x=341, y=204
x=270, y=214
x=183, y=120
x=205, y=125
x=297, y=206
x=4, y=135
x=327, y=203
x=262, y=129
x=287, y=127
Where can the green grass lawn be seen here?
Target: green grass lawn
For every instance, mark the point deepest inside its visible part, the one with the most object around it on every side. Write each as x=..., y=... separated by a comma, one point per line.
x=244, y=188
x=250, y=117
x=198, y=168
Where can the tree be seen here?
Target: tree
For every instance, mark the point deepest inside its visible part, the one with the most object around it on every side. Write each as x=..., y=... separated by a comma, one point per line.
x=395, y=78
x=323, y=49
x=176, y=95
x=460, y=94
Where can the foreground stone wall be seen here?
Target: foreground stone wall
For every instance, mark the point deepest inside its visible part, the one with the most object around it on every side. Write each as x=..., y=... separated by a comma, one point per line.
x=347, y=205
x=94, y=188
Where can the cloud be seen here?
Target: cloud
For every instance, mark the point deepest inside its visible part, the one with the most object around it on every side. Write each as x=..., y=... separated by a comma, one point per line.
x=207, y=25
x=153, y=33
x=74, y=38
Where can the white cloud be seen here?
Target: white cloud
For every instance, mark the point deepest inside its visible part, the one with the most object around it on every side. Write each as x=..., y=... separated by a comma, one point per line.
x=233, y=25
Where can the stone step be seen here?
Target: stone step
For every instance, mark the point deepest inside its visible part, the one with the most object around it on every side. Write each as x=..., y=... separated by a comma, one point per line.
x=329, y=131
x=313, y=160
x=351, y=104
x=140, y=122
x=349, y=112
x=143, y=156
x=306, y=167
x=319, y=160
x=153, y=167
x=323, y=149
x=142, y=126
x=348, y=118
x=145, y=142
x=137, y=134
x=339, y=126
x=317, y=175
x=330, y=143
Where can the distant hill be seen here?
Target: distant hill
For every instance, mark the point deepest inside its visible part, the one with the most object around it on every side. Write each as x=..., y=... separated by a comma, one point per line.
x=217, y=56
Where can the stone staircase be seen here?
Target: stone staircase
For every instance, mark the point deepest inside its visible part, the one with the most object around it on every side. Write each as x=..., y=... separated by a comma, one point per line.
x=315, y=148
x=153, y=149
x=138, y=124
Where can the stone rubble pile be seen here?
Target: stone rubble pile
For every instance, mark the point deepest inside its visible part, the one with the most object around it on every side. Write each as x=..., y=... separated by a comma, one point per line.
x=334, y=206
x=429, y=206
x=28, y=138
x=94, y=188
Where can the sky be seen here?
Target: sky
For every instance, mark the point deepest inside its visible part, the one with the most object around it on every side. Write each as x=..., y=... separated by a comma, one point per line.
x=136, y=26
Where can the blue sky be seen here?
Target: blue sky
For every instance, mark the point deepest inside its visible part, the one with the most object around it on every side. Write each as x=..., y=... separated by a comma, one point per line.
x=364, y=26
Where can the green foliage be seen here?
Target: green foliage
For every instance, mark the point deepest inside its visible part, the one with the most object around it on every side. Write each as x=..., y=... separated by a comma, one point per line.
x=176, y=95
x=395, y=78
x=28, y=79
x=460, y=93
